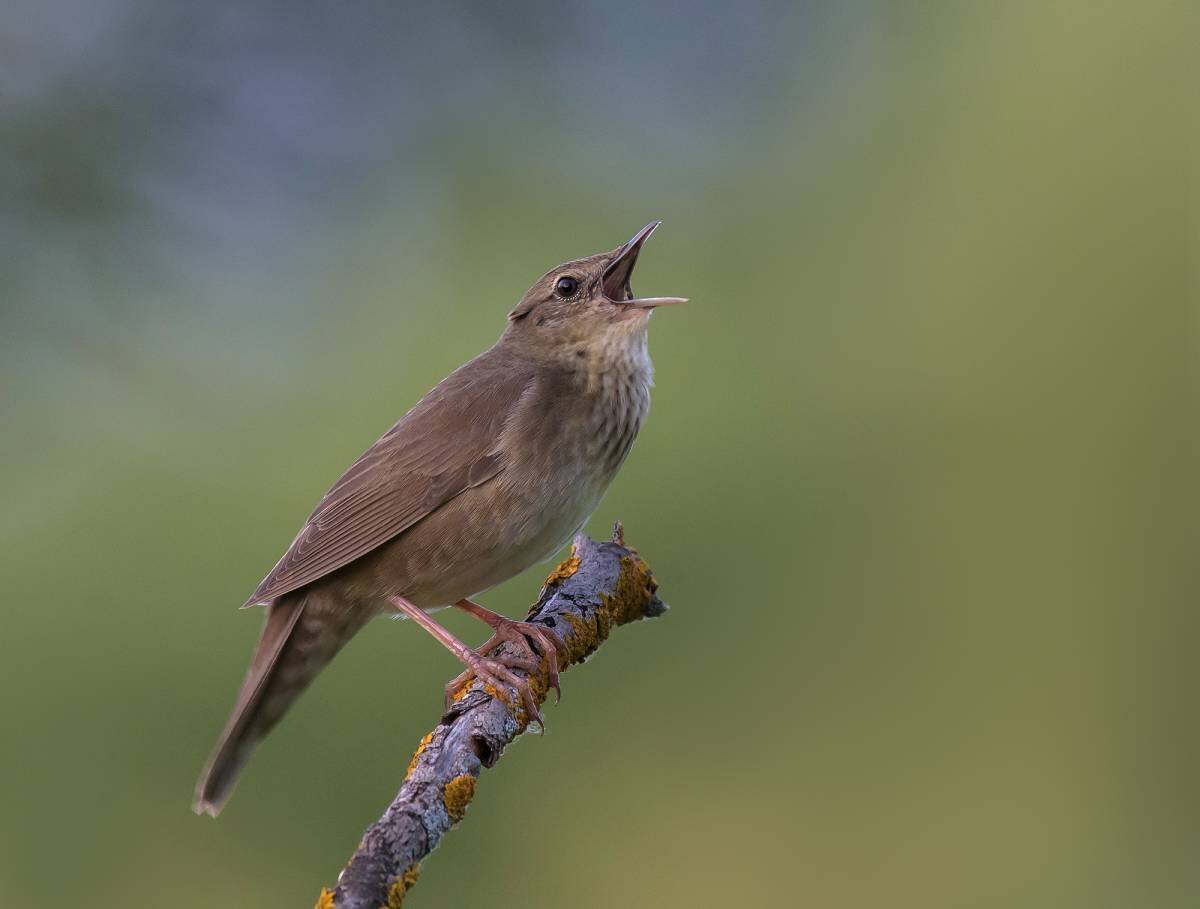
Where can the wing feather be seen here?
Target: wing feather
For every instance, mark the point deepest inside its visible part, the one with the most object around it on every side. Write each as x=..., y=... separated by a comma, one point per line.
x=445, y=445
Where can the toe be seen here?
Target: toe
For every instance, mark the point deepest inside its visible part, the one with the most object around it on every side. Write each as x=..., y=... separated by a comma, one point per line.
x=556, y=639
x=516, y=662
x=549, y=646
x=530, y=704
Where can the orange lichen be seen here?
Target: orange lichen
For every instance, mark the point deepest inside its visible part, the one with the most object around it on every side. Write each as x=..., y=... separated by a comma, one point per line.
x=410, y=876
x=325, y=900
x=401, y=886
x=496, y=693
x=539, y=684
x=457, y=795
x=635, y=585
x=565, y=569
x=581, y=641
x=412, y=765
x=626, y=603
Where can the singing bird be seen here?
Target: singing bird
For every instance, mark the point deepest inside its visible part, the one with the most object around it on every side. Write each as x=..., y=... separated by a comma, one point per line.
x=492, y=471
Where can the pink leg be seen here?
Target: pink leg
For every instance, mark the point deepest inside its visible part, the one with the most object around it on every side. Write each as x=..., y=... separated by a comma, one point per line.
x=494, y=672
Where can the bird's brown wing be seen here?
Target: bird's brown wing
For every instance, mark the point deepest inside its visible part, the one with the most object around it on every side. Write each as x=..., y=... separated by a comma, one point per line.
x=446, y=444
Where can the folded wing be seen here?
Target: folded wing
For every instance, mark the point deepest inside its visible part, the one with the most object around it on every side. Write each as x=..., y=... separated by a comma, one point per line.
x=445, y=445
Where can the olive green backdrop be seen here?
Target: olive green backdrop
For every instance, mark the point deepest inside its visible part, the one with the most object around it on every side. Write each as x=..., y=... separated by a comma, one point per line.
x=919, y=480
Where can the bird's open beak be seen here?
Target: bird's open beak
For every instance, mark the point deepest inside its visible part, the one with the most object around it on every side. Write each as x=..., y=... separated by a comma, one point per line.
x=616, y=276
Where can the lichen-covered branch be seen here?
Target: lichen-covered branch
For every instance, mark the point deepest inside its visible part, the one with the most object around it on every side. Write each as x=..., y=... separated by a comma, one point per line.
x=600, y=586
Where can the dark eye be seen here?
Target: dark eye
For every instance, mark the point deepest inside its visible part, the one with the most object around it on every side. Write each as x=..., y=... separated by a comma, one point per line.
x=566, y=286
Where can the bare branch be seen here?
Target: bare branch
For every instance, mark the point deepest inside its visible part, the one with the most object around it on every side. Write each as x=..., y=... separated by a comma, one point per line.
x=600, y=586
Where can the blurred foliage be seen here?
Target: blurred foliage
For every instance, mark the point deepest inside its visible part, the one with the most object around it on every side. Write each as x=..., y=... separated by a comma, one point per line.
x=919, y=480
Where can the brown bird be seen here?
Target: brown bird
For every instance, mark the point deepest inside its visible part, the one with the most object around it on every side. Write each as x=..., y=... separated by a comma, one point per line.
x=492, y=471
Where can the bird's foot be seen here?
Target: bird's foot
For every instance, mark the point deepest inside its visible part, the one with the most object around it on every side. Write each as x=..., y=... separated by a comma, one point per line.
x=547, y=643
x=533, y=640
x=496, y=673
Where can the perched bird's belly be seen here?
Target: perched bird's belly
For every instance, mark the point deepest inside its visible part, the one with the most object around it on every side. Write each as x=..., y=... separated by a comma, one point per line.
x=482, y=538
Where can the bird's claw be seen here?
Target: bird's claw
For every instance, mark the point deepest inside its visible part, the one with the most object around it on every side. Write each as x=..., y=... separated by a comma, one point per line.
x=497, y=671
x=520, y=634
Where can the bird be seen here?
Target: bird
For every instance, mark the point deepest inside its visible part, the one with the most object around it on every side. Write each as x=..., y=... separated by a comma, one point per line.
x=491, y=472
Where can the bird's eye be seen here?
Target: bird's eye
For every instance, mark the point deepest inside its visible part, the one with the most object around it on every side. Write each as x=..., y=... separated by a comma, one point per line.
x=566, y=286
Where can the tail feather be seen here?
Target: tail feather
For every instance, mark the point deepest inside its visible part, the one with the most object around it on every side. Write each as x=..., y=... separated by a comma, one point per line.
x=297, y=642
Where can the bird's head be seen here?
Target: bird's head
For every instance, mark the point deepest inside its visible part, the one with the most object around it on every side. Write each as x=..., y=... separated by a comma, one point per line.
x=586, y=309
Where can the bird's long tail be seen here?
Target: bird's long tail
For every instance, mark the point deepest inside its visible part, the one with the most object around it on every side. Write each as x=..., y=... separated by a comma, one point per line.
x=298, y=640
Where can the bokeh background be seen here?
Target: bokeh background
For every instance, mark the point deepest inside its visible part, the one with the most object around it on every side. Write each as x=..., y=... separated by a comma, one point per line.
x=919, y=480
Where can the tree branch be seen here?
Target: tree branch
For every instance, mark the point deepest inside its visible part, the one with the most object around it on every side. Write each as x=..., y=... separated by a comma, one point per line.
x=600, y=586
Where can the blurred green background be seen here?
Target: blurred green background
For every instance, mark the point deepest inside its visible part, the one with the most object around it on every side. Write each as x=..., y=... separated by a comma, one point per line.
x=919, y=480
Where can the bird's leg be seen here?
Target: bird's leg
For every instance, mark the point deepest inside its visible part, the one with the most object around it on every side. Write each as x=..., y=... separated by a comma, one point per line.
x=520, y=634
x=494, y=672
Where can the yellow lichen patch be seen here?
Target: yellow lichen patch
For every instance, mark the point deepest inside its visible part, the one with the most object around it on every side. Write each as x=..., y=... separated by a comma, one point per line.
x=495, y=692
x=538, y=685
x=463, y=691
x=325, y=900
x=628, y=601
x=457, y=794
x=505, y=698
x=565, y=569
x=401, y=886
x=582, y=641
x=604, y=616
x=412, y=765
